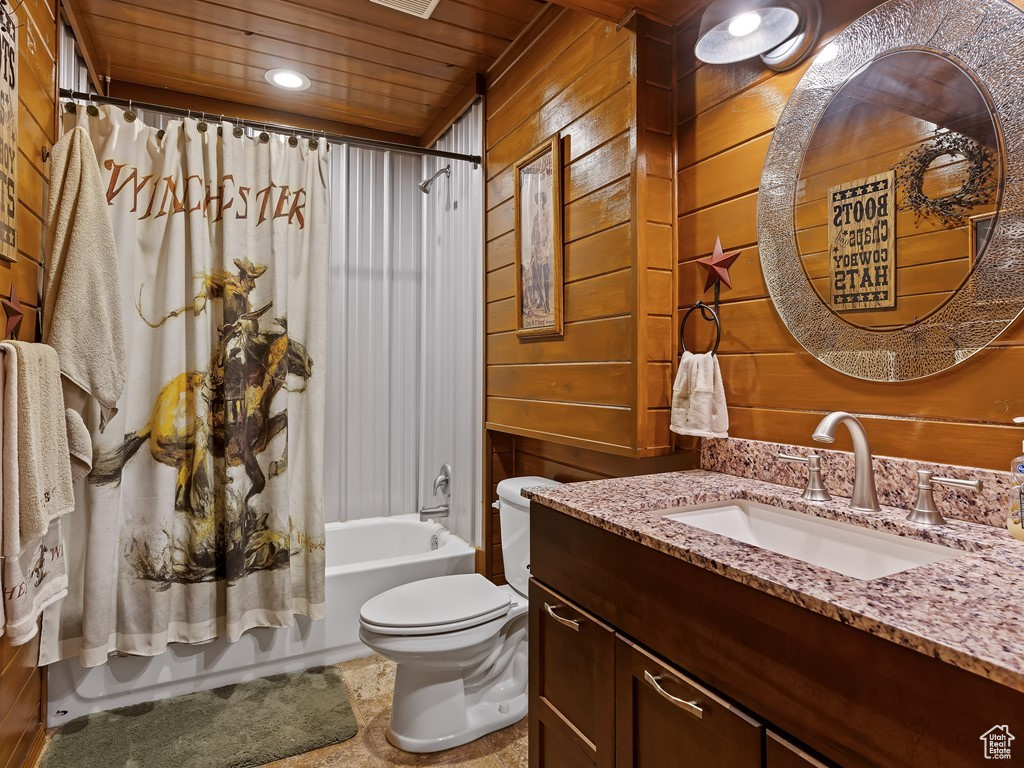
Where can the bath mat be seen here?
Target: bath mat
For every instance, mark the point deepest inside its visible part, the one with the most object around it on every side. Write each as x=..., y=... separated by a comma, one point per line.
x=236, y=726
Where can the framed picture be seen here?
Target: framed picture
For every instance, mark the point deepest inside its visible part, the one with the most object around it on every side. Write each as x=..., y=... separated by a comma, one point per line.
x=538, y=241
x=980, y=227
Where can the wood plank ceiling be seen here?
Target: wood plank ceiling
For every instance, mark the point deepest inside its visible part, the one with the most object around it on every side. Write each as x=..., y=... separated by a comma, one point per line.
x=665, y=11
x=371, y=67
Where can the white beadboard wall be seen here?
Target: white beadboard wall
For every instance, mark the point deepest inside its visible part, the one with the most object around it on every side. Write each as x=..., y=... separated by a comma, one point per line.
x=405, y=338
x=370, y=454
x=453, y=325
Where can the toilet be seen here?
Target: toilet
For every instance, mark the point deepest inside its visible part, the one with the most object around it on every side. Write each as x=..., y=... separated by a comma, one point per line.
x=459, y=642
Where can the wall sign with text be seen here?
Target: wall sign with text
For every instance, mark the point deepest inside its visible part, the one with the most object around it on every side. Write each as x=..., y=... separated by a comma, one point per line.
x=862, y=243
x=8, y=134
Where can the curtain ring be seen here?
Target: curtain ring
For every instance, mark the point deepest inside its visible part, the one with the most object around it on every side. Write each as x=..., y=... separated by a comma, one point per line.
x=130, y=114
x=264, y=136
x=293, y=140
x=202, y=126
x=70, y=107
x=238, y=131
x=91, y=109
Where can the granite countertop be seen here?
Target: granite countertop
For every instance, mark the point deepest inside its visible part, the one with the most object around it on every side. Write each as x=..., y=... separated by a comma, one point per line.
x=967, y=611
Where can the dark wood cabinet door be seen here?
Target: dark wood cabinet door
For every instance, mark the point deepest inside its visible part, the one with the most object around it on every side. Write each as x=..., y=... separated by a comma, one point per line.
x=666, y=720
x=779, y=752
x=572, y=685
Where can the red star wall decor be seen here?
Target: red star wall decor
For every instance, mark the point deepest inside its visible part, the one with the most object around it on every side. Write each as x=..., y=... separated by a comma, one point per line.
x=14, y=313
x=717, y=265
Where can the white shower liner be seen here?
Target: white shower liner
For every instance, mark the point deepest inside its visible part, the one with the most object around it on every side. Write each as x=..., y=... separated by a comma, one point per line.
x=364, y=558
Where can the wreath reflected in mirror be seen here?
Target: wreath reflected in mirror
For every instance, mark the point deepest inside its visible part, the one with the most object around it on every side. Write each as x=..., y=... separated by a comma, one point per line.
x=978, y=189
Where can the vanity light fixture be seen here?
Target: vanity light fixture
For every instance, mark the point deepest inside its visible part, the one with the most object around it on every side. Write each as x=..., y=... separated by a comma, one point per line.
x=288, y=79
x=781, y=32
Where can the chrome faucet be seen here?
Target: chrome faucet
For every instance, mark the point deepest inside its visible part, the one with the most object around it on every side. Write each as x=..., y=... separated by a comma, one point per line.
x=865, y=498
x=443, y=483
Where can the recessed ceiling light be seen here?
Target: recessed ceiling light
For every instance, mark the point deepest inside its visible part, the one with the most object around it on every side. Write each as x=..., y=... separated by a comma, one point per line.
x=288, y=79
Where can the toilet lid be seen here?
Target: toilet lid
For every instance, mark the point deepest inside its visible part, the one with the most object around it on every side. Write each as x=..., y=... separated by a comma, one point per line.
x=436, y=605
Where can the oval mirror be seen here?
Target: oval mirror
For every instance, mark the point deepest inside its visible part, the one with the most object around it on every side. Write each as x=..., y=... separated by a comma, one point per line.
x=897, y=188
x=890, y=218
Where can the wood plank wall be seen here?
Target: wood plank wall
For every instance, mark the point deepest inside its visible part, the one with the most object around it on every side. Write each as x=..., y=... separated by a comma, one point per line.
x=654, y=208
x=571, y=409
x=22, y=684
x=775, y=390
x=576, y=79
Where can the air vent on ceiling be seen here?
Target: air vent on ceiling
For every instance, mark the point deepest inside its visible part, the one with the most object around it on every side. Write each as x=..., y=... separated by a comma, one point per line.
x=421, y=8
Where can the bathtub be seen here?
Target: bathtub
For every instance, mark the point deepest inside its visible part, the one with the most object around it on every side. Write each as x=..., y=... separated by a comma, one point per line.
x=364, y=558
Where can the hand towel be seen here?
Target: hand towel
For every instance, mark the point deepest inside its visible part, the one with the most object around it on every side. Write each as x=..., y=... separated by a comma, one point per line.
x=698, y=397
x=35, y=424
x=81, y=284
x=34, y=571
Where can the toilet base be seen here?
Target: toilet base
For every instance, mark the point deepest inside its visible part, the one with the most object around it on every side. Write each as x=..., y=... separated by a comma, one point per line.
x=438, y=707
x=481, y=719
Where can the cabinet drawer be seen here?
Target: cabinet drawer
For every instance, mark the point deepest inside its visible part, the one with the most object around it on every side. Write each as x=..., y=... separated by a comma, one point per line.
x=666, y=720
x=572, y=683
x=779, y=752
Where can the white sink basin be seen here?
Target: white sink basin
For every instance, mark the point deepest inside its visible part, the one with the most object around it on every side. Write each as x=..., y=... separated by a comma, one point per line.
x=848, y=549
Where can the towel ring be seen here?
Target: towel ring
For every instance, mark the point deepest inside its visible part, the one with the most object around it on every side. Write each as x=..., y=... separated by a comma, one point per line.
x=704, y=312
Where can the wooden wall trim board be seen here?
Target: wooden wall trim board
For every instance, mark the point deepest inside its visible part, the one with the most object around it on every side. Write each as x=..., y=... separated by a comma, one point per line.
x=87, y=48
x=474, y=89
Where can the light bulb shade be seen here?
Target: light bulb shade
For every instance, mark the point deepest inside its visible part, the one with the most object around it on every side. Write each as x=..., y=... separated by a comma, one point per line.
x=717, y=45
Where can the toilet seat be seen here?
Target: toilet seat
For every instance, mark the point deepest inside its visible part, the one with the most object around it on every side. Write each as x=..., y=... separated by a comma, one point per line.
x=435, y=606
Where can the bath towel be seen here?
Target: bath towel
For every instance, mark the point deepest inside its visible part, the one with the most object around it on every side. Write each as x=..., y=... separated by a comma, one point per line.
x=34, y=571
x=79, y=444
x=698, y=397
x=34, y=422
x=81, y=286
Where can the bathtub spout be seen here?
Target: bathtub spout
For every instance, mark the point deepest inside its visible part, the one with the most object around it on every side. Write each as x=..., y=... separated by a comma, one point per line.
x=433, y=513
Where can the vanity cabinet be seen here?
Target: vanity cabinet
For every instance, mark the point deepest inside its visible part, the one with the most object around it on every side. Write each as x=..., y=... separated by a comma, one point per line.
x=599, y=700
x=745, y=657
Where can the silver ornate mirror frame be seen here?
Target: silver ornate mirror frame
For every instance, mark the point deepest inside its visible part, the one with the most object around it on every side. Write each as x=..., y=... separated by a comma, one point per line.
x=986, y=39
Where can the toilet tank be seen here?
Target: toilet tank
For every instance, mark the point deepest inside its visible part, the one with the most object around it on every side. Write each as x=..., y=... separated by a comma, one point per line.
x=514, y=514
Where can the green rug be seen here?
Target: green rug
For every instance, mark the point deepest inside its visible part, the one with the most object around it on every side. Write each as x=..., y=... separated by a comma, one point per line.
x=231, y=727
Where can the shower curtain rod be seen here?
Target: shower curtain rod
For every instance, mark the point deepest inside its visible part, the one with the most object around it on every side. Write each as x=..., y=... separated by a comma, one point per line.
x=331, y=138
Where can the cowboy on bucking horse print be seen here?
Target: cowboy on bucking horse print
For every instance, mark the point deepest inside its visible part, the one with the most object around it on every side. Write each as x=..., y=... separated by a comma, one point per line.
x=216, y=419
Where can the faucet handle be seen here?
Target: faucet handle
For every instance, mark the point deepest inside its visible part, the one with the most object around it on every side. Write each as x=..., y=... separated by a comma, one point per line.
x=924, y=510
x=955, y=482
x=443, y=480
x=815, y=489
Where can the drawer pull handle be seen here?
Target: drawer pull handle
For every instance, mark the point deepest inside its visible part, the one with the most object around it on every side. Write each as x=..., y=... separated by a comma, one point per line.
x=573, y=625
x=689, y=706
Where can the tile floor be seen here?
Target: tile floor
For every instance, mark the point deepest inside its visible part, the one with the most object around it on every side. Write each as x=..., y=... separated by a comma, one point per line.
x=369, y=682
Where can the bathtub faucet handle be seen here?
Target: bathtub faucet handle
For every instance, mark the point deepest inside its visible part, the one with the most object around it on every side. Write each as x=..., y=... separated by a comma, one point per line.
x=443, y=481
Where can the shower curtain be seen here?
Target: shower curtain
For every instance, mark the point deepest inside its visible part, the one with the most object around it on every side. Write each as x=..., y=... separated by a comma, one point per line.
x=203, y=514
